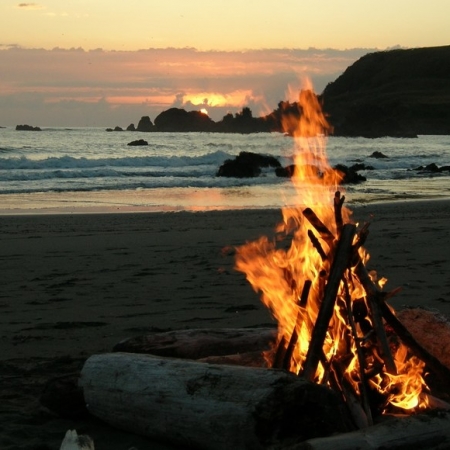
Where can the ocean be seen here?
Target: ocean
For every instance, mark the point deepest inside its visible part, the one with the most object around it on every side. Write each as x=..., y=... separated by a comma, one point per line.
x=91, y=170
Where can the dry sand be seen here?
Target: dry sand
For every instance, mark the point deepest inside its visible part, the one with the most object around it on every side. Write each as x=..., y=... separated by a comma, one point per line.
x=75, y=285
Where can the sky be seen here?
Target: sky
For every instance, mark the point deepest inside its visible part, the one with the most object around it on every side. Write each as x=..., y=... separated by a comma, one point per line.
x=103, y=63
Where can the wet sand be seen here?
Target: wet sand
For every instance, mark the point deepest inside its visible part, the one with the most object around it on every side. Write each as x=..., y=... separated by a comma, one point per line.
x=74, y=285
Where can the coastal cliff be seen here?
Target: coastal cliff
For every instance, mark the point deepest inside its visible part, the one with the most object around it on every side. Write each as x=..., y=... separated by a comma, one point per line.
x=392, y=93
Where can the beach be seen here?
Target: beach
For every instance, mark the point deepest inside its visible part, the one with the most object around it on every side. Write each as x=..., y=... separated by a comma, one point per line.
x=74, y=285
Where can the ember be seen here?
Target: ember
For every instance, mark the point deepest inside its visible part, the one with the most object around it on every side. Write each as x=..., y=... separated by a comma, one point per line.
x=314, y=280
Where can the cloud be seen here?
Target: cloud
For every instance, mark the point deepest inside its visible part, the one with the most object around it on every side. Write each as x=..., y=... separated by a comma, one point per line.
x=62, y=83
x=30, y=6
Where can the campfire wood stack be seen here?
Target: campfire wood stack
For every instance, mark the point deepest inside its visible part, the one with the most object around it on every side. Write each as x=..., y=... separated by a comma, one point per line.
x=343, y=255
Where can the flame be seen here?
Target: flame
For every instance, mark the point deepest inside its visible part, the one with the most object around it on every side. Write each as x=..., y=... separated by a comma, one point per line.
x=290, y=272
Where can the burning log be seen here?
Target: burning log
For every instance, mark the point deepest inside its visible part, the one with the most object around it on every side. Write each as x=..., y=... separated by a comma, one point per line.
x=294, y=338
x=338, y=202
x=205, y=406
x=340, y=264
x=380, y=331
x=325, y=233
x=363, y=384
x=439, y=369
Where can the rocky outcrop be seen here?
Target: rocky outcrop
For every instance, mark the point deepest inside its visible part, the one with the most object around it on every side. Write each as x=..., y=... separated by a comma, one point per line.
x=351, y=176
x=378, y=155
x=138, y=142
x=247, y=165
x=145, y=125
x=399, y=93
x=131, y=127
x=27, y=128
x=176, y=119
x=432, y=168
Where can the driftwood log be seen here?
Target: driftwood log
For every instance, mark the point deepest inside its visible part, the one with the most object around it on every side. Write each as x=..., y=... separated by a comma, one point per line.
x=207, y=406
x=200, y=343
x=426, y=431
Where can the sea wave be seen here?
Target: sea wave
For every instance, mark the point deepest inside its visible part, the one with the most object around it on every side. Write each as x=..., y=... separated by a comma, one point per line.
x=70, y=162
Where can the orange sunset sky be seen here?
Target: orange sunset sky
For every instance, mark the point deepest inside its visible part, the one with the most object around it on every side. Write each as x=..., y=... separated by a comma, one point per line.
x=103, y=63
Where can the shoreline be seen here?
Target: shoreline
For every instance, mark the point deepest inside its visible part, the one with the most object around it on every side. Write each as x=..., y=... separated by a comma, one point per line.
x=143, y=209
x=74, y=285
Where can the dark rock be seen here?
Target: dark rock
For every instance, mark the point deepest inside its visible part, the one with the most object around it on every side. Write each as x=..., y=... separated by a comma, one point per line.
x=246, y=165
x=433, y=168
x=179, y=120
x=361, y=166
x=145, y=125
x=351, y=176
x=378, y=155
x=109, y=130
x=243, y=122
x=118, y=128
x=138, y=142
x=131, y=127
x=285, y=172
x=288, y=171
x=27, y=128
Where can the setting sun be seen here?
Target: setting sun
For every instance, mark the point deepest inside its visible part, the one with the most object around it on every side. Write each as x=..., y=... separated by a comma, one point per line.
x=204, y=111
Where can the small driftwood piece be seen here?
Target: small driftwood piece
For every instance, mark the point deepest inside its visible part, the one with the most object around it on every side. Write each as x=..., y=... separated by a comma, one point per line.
x=377, y=319
x=316, y=244
x=324, y=232
x=200, y=343
x=373, y=299
x=338, y=267
x=206, y=406
x=295, y=333
x=431, y=432
x=365, y=403
x=338, y=202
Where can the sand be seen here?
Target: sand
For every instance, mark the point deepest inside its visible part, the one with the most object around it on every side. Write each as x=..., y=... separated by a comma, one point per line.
x=74, y=285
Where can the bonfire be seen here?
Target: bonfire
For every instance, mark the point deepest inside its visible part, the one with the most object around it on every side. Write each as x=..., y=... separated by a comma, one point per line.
x=314, y=281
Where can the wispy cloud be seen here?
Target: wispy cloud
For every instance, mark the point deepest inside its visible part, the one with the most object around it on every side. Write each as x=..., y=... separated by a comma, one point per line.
x=100, y=87
x=30, y=6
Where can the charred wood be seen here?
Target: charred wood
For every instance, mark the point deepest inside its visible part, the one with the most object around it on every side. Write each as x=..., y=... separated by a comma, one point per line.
x=295, y=333
x=324, y=232
x=434, y=365
x=339, y=265
x=338, y=202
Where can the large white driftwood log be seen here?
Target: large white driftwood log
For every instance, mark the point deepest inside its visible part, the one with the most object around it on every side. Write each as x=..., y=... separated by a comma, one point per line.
x=207, y=406
x=430, y=432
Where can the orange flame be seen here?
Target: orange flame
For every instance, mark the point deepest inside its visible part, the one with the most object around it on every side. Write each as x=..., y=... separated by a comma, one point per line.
x=280, y=269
